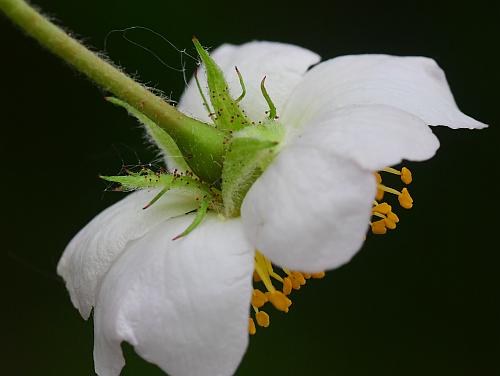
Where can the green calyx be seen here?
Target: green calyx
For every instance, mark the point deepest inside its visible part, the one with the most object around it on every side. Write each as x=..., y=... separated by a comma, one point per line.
x=226, y=112
x=250, y=152
x=217, y=162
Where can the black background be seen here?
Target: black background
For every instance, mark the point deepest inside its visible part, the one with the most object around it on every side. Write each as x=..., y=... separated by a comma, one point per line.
x=423, y=300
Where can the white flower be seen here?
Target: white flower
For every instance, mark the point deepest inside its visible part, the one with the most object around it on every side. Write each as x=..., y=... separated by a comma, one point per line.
x=184, y=304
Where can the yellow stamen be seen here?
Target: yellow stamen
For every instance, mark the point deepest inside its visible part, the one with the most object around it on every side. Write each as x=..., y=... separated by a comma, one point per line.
x=393, y=217
x=297, y=280
x=405, y=199
x=262, y=319
x=264, y=273
x=392, y=171
x=406, y=176
x=379, y=227
x=391, y=225
x=251, y=327
x=258, y=298
x=279, y=300
x=318, y=275
x=295, y=284
x=388, y=190
x=270, y=269
x=382, y=211
x=383, y=208
x=388, y=220
x=287, y=285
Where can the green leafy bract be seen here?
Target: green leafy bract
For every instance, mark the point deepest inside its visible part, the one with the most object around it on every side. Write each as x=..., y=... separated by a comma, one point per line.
x=249, y=153
x=147, y=178
x=227, y=114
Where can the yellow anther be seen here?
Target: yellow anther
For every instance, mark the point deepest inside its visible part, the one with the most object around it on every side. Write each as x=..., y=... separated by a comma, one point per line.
x=380, y=195
x=318, y=275
x=405, y=199
x=258, y=298
x=297, y=280
x=256, y=277
x=279, y=300
x=300, y=277
x=379, y=227
x=287, y=285
x=384, y=218
x=265, y=272
x=390, y=224
x=262, y=319
x=251, y=327
x=295, y=284
x=383, y=208
x=393, y=217
x=406, y=175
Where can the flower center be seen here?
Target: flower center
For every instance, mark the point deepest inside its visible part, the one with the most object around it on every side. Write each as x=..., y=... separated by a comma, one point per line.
x=265, y=291
x=384, y=217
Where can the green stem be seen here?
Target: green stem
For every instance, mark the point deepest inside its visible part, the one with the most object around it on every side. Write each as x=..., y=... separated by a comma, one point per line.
x=201, y=144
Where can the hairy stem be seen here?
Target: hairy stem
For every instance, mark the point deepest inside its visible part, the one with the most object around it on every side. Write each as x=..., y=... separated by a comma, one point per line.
x=188, y=133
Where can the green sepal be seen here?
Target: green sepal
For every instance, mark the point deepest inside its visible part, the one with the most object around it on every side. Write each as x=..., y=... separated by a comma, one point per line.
x=161, y=138
x=228, y=114
x=207, y=197
x=272, y=107
x=249, y=153
x=201, y=213
x=147, y=178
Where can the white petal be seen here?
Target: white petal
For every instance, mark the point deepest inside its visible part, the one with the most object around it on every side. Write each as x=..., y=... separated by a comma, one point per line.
x=413, y=84
x=283, y=64
x=310, y=209
x=182, y=304
x=374, y=136
x=92, y=251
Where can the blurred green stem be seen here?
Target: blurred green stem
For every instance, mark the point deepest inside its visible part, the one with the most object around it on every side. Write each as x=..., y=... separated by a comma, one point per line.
x=201, y=144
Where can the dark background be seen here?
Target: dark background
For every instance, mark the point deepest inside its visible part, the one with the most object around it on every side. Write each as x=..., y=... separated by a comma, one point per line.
x=423, y=300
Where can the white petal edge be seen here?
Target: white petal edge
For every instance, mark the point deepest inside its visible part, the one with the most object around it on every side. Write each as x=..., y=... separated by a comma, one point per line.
x=310, y=209
x=182, y=304
x=374, y=136
x=282, y=64
x=416, y=85
x=91, y=252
